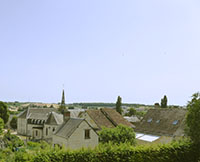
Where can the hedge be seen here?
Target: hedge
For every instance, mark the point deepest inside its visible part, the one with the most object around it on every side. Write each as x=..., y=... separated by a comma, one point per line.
x=174, y=152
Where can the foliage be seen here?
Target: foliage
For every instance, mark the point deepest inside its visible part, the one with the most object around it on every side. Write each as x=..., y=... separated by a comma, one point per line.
x=193, y=118
x=12, y=141
x=156, y=105
x=1, y=126
x=13, y=122
x=183, y=151
x=131, y=112
x=4, y=114
x=119, y=104
x=117, y=135
x=141, y=113
x=101, y=104
x=164, y=102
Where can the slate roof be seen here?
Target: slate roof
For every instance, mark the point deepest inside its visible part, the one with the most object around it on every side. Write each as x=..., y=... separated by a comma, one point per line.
x=107, y=117
x=69, y=127
x=163, y=121
x=36, y=111
x=41, y=116
x=55, y=119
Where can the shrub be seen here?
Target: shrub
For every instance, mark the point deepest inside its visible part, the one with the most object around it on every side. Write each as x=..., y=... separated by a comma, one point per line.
x=117, y=135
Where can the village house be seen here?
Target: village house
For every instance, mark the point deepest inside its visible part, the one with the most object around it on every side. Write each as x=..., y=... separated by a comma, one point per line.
x=161, y=125
x=75, y=133
x=38, y=123
x=104, y=117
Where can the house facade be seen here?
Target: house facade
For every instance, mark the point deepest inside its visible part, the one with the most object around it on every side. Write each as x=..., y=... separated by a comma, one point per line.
x=75, y=134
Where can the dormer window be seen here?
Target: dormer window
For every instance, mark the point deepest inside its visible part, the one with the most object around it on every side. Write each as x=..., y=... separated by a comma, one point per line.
x=149, y=120
x=157, y=121
x=175, y=122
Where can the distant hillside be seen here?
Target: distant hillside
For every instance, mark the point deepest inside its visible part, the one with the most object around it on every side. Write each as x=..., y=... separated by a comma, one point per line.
x=101, y=104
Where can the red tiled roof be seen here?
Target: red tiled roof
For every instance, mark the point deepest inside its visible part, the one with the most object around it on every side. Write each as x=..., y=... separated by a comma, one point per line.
x=107, y=117
x=99, y=118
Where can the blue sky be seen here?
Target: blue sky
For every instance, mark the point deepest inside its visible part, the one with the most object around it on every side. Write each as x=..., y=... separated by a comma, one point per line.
x=138, y=49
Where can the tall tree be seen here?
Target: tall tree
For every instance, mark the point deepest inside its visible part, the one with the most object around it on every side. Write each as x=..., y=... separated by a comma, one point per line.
x=164, y=102
x=62, y=107
x=4, y=114
x=119, y=104
x=193, y=118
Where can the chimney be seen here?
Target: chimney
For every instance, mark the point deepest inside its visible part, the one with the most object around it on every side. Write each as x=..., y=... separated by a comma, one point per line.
x=66, y=115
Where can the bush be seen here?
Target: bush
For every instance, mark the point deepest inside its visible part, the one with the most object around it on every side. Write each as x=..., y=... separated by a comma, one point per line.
x=12, y=141
x=175, y=152
x=117, y=135
x=183, y=151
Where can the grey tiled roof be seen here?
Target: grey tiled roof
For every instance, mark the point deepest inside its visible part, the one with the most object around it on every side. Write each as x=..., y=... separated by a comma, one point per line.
x=29, y=111
x=68, y=127
x=160, y=122
x=55, y=118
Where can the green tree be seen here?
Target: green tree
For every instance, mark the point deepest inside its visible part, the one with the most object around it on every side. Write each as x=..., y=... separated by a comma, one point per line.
x=4, y=114
x=131, y=111
x=13, y=122
x=118, y=105
x=164, y=102
x=193, y=118
x=117, y=135
x=157, y=105
x=1, y=126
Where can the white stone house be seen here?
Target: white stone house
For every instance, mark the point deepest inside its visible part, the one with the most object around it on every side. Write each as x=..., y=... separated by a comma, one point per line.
x=39, y=123
x=75, y=134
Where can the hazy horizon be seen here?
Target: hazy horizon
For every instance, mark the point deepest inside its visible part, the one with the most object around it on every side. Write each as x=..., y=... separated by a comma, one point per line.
x=140, y=50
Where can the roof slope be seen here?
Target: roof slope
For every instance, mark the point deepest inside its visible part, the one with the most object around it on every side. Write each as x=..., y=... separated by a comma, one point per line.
x=107, y=117
x=36, y=111
x=68, y=127
x=162, y=122
x=55, y=118
x=100, y=119
x=115, y=117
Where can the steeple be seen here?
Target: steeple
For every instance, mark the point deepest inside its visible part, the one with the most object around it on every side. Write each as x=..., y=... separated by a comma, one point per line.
x=63, y=99
x=62, y=107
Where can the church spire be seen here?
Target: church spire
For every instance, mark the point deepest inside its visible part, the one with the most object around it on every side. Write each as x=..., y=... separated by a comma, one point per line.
x=62, y=107
x=63, y=98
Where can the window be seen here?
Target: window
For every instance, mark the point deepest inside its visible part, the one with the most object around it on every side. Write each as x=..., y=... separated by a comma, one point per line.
x=46, y=131
x=53, y=129
x=87, y=133
x=149, y=120
x=175, y=122
x=36, y=133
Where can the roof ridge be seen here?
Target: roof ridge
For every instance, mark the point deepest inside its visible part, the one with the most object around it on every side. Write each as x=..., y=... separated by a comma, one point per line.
x=108, y=117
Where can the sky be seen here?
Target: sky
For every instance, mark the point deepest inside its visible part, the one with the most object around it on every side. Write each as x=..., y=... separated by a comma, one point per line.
x=97, y=50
